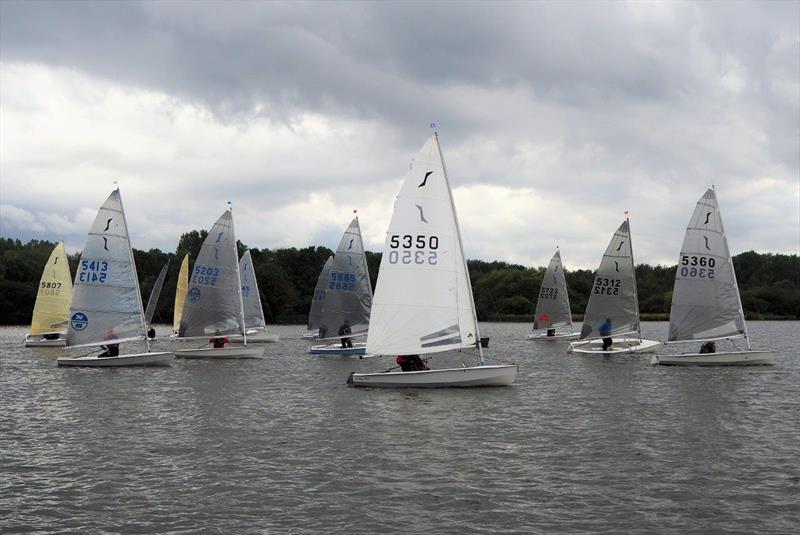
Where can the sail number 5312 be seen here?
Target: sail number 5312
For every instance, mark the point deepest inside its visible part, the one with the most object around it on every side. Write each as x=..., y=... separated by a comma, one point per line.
x=419, y=249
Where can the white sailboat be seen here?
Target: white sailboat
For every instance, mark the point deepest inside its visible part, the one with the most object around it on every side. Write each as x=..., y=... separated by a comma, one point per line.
x=423, y=301
x=106, y=304
x=613, y=308
x=317, y=301
x=552, y=307
x=706, y=306
x=152, y=301
x=347, y=299
x=214, y=306
x=253, y=311
x=181, y=290
x=51, y=311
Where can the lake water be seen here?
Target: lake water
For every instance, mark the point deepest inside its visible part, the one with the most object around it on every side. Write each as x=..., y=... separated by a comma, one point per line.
x=281, y=445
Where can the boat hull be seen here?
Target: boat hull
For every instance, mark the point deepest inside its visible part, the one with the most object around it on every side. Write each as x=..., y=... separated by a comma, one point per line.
x=337, y=349
x=33, y=340
x=496, y=375
x=311, y=335
x=163, y=358
x=729, y=358
x=559, y=337
x=256, y=338
x=619, y=347
x=236, y=352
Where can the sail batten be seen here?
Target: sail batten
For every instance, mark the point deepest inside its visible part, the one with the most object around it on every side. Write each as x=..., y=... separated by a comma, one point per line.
x=348, y=291
x=51, y=310
x=423, y=286
x=705, y=298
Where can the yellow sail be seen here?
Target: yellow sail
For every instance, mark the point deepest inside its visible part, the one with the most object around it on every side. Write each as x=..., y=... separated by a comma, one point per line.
x=180, y=293
x=51, y=310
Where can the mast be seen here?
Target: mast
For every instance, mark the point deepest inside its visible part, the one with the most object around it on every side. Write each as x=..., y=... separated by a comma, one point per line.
x=135, y=273
x=238, y=279
x=733, y=271
x=633, y=271
x=461, y=246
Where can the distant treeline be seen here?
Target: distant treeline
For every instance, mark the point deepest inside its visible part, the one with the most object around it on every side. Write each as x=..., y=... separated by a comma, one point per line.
x=769, y=283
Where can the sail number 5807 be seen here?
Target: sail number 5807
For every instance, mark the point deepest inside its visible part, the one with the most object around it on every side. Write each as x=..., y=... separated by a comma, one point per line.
x=425, y=252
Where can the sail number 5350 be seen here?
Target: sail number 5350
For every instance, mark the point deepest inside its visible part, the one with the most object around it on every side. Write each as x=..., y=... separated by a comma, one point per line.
x=419, y=249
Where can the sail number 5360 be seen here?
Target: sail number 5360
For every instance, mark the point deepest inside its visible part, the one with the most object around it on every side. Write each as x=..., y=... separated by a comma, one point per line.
x=419, y=249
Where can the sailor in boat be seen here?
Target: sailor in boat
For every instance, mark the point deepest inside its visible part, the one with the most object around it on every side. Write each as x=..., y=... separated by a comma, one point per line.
x=219, y=341
x=708, y=347
x=411, y=363
x=50, y=336
x=111, y=350
x=151, y=333
x=605, y=332
x=344, y=330
x=551, y=332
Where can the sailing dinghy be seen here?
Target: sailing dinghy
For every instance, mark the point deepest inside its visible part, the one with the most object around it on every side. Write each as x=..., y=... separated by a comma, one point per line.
x=613, y=308
x=706, y=306
x=317, y=301
x=106, y=301
x=181, y=290
x=423, y=301
x=552, y=307
x=347, y=298
x=214, y=306
x=152, y=301
x=51, y=311
x=253, y=311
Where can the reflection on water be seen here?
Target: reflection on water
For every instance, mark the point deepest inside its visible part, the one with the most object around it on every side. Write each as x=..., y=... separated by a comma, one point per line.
x=577, y=444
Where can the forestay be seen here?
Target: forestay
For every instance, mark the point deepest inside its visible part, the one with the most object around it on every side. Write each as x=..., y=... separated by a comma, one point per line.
x=181, y=290
x=705, y=299
x=552, y=307
x=213, y=305
x=106, y=304
x=155, y=293
x=51, y=311
x=423, y=300
x=613, y=295
x=251, y=297
x=348, y=291
x=318, y=299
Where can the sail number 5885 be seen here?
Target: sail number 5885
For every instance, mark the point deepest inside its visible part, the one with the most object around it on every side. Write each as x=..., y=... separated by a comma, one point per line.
x=419, y=249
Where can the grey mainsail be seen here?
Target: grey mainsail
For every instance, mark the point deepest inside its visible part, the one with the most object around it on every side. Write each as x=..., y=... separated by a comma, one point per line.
x=613, y=308
x=155, y=293
x=106, y=305
x=213, y=304
x=253, y=312
x=318, y=299
x=705, y=299
x=552, y=307
x=348, y=293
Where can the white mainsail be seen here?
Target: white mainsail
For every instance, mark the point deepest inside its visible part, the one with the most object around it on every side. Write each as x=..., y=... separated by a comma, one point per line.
x=613, y=298
x=181, y=291
x=155, y=293
x=552, y=307
x=214, y=304
x=423, y=299
x=51, y=311
x=106, y=303
x=318, y=299
x=348, y=291
x=705, y=299
x=253, y=311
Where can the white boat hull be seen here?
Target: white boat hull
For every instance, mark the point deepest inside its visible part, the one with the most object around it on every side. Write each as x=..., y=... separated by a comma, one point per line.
x=727, y=358
x=235, y=352
x=621, y=346
x=558, y=337
x=33, y=340
x=337, y=349
x=496, y=375
x=163, y=358
x=256, y=338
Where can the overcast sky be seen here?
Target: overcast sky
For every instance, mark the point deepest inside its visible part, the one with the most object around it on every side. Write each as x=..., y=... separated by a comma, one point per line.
x=554, y=119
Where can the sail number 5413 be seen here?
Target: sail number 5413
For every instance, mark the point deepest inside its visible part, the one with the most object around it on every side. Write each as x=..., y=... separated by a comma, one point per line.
x=419, y=249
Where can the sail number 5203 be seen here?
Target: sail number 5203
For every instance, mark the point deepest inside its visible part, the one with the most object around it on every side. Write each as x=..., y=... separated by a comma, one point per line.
x=419, y=249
